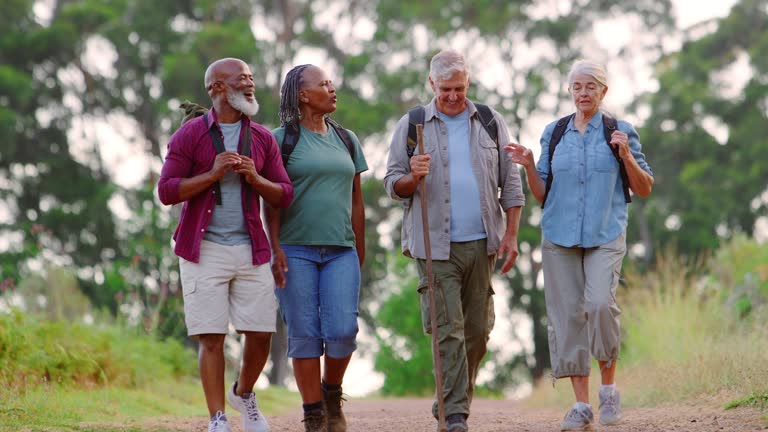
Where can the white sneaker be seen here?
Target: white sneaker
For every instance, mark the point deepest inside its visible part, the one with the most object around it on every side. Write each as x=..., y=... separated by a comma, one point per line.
x=578, y=418
x=253, y=419
x=610, y=407
x=219, y=423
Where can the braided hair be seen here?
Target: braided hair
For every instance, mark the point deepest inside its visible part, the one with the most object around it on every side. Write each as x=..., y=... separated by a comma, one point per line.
x=289, y=96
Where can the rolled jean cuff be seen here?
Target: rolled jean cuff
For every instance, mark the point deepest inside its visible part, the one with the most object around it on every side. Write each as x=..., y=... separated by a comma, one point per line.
x=305, y=347
x=340, y=348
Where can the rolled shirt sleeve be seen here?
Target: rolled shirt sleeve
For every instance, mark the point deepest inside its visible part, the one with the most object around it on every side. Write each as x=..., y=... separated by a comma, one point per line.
x=398, y=164
x=177, y=166
x=512, y=194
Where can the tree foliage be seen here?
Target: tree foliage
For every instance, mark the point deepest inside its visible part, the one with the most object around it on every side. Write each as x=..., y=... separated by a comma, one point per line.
x=709, y=134
x=130, y=63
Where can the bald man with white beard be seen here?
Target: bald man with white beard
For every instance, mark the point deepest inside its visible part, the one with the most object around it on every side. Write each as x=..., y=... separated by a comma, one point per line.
x=221, y=165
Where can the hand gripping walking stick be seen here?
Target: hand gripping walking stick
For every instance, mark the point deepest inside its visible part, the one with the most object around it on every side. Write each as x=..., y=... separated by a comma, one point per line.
x=431, y=291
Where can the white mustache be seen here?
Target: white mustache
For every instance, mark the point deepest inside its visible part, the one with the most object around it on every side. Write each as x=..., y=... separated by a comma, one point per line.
x=238, y=101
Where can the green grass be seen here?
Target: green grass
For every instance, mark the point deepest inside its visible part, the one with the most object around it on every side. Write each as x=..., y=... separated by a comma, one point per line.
x=755, y=400
x=59, y=407
x=35, y=351
x=683, y=340
x=63, y=408
x=63, y=376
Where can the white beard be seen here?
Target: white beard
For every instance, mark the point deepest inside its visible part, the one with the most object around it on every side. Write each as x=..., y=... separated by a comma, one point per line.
x=238, y=101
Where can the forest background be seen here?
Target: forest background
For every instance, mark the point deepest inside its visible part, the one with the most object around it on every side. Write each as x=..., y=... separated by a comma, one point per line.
x=90, y=93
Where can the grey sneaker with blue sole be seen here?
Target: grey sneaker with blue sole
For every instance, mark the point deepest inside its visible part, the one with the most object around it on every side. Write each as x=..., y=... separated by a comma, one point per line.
x=578, y=419
x=610, y=407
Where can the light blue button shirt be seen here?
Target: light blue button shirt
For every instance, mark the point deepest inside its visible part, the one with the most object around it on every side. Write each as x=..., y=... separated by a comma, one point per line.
x=585, y=206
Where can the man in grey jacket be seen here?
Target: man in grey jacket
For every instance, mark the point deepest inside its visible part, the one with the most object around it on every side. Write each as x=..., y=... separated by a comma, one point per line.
x=464, y=170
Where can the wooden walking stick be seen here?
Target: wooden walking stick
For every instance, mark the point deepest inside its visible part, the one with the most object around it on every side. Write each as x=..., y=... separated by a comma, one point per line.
x=431, y=290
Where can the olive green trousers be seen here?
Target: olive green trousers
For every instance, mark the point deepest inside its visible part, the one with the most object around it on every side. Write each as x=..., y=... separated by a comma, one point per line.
x=465, y=317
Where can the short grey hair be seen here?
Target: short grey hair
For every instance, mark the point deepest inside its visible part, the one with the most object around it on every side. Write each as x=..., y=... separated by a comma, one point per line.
x=445, y=64
x=587, y=67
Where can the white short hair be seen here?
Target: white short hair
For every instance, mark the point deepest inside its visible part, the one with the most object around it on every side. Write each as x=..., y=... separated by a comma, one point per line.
x=586, y=67
x=445, y=64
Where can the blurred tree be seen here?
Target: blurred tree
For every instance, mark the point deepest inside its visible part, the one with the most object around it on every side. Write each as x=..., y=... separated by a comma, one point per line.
x=55, y=204
x=130, y=63
x=405, y=38
x=706, y=132
x=405, y=353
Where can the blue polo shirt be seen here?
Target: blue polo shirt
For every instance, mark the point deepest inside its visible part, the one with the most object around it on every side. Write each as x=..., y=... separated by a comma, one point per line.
x=585, y=206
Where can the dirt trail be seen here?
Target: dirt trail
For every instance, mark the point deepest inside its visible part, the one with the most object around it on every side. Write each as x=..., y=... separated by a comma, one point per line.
x=412, y=415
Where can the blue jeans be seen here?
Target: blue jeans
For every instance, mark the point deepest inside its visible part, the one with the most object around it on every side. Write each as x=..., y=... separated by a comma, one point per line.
x=319, y=303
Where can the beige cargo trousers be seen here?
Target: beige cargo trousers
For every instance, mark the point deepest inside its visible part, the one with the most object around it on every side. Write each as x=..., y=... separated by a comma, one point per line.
x=580, y=293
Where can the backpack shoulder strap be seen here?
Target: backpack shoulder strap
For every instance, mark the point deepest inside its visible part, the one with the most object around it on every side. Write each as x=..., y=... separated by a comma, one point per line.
x=415, y=116
x=216, y=139
x=291, y=137
x=488, y=121
x=218, y=144
x=293, y=131
x=610, y=125
x=557, y=135
x=245, y=150
x=245, y=139
x=343, y=135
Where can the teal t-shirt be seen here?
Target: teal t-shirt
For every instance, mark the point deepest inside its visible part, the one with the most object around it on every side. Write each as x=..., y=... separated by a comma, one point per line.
x=321, y=170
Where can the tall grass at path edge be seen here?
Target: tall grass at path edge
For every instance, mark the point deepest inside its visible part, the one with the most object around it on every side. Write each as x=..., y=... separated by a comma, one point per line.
x=685, y=339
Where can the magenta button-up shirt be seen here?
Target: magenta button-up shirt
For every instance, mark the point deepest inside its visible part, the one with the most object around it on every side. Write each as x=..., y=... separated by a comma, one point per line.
x=191, y=153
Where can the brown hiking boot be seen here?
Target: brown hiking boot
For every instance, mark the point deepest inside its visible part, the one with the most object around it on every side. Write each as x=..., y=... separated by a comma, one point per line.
x=333, y=401
x=314, y=421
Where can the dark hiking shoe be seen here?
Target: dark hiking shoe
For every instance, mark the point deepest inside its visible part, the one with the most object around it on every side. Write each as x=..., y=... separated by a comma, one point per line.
x=333, y=401
x=456, y=423
x=314, y=421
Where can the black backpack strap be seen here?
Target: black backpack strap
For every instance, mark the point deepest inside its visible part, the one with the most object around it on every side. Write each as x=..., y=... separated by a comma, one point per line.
x=609, y=126
x=491, y=128
x=218, y=144
x=343, y=136
x=245, y=150
x=488, y=121
x=557, y=135
x=291, y=137
x=415, y=116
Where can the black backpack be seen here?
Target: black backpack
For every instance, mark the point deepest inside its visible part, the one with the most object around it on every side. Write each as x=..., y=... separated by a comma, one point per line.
x=293, y=131
x=609, y=125
x=417, y=114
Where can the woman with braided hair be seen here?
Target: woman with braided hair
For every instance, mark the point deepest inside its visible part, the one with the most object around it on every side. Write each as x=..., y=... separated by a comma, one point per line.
x=318, y=243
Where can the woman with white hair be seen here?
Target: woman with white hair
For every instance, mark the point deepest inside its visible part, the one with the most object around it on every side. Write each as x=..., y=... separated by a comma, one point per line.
x=589, y=162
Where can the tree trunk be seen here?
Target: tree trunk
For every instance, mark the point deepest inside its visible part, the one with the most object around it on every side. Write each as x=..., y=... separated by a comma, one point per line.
x=644, y=231
x=278, y=373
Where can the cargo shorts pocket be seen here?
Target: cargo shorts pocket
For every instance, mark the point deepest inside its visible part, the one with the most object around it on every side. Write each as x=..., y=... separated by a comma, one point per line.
x=188, y=287
x=491, y=311
x=441, y=308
